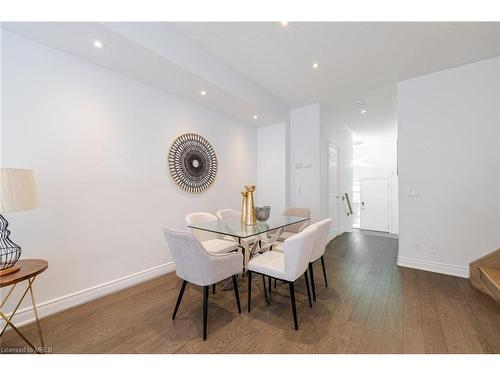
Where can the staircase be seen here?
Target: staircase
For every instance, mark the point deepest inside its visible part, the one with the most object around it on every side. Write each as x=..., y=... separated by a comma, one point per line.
x=485, y=274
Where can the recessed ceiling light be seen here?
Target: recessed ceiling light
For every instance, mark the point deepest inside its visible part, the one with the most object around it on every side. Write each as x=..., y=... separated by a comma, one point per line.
x=255, y=117
x=203, y=93
x=99, y=44
x=284, y=23
x=315, y=65
x=360, y=106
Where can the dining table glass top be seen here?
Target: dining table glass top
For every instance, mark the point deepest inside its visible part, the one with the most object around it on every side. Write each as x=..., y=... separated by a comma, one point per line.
x=236, y=228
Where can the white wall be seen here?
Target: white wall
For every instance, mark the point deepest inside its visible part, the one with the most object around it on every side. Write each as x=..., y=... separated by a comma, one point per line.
x=334, y=131
x=304, y=154
x=98, y=144
x=377, y=158
x=449, y=151
x=380, y=155
x=271, y=167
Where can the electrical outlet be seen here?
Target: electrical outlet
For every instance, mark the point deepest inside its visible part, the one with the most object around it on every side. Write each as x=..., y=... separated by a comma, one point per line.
x=434, y=248
x=417, y=247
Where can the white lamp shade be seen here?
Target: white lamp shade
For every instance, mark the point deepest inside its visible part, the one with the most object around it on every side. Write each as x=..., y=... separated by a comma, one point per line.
x=17, y=190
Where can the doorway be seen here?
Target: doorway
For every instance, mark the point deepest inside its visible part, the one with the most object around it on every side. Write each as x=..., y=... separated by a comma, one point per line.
x=374, y=204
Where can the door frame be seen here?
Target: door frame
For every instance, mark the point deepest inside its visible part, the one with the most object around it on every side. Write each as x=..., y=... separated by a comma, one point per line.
x=332, y=234
x=389, y=195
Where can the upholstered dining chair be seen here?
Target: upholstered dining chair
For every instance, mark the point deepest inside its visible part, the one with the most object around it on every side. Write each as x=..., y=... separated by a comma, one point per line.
x=195, y=265
x=210, y=241
x=230, y=215
x=287, y=266
x=290, y=230
x=318, y=251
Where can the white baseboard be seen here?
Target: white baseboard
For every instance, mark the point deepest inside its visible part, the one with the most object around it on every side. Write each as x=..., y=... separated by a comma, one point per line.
x=426, y=265
x=26, y=315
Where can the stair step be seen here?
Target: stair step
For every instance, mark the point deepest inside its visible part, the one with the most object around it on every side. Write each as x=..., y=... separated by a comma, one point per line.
x=491, y=279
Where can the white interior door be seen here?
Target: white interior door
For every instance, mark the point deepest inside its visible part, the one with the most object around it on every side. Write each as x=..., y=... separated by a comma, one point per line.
x=333, y=189
x=375, y=204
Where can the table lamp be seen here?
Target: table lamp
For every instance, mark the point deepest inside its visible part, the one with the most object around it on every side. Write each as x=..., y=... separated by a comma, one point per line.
x=17, y=193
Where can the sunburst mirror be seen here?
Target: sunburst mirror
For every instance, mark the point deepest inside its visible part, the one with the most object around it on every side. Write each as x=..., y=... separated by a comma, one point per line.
x=192, y=163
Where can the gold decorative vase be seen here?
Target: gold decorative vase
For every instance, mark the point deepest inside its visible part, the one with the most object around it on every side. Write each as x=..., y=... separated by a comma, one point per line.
x=248, y=215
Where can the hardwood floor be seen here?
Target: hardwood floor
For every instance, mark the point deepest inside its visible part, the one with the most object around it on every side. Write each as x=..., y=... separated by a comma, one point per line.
x=370, y=306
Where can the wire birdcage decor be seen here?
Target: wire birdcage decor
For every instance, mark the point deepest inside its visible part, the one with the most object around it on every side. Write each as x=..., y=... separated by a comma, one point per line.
x=9, y=251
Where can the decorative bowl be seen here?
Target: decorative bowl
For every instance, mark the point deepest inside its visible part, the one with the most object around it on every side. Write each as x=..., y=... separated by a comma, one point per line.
x=263, y=213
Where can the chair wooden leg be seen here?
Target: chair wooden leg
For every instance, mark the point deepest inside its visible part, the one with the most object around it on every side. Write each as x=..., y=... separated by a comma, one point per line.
x=249, y=275
x=236, y=293
x=294, y=308
x=205, y=311
x=324, y=270
x=313, y=287
x=265, y=289
x=179, y=298
x=308, y=291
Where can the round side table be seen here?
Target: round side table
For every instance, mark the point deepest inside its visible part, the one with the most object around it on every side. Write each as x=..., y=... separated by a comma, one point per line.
x=29, y=269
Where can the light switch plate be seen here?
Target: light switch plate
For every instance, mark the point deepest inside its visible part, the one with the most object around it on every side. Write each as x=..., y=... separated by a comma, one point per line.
x=414, y=193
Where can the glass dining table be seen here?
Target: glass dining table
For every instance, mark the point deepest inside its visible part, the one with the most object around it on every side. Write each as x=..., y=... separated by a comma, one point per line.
x=240, y=231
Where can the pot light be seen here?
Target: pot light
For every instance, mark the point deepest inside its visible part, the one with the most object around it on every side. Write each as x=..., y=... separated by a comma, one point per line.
x=360, y=106
x=284, y=23
x=99, y=44
x=255, y=117
x=203, y=93
x=315, y=65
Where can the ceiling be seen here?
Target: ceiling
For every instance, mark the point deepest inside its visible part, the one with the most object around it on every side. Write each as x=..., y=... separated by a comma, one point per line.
x=262, y=68
x=356, y=60
x=352, y=56
x=378, y=123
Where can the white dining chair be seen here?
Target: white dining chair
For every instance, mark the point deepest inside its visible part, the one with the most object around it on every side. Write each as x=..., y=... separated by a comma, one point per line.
x=195, y=265
x=318, y=251
x=287, y=266
x=292, y=229
x=210, y=241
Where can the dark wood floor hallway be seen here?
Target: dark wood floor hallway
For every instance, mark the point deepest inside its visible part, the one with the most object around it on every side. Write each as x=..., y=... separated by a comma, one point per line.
x=370, y=306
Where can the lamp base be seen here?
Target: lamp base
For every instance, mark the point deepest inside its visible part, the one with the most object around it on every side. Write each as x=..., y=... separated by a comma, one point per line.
x=9, y=251
x=9, y=270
